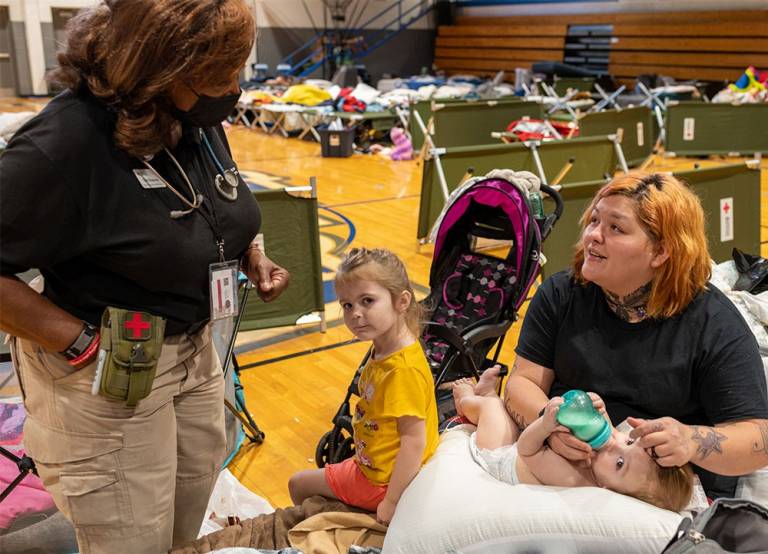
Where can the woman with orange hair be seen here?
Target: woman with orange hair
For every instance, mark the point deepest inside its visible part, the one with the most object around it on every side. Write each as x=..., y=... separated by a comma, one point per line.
x=636, y=321
x=123, y=192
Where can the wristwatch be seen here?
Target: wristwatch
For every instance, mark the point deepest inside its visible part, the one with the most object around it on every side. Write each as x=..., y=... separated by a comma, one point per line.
x=82, y=342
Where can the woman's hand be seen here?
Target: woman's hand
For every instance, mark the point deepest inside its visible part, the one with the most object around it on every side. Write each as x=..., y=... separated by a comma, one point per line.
x=562, y=442
x=599, y=405
x=667, y=440
x=270, y=279
x=385, y=510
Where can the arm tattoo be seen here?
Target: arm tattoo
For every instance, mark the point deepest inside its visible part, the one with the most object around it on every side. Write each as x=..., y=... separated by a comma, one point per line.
x=517, y=417
x=708, y=442
x=761, y=446
x=519, y=420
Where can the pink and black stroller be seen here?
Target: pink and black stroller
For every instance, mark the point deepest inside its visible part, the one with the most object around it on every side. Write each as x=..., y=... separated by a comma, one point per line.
x=474, y=296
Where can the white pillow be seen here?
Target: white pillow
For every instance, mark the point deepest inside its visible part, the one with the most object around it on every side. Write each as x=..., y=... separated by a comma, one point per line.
x=365, y=93
x=454, y=506
x=754, y=487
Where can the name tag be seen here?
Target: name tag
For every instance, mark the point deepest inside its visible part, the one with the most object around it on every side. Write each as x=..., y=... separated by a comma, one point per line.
x=148, y=179
x=223, y=288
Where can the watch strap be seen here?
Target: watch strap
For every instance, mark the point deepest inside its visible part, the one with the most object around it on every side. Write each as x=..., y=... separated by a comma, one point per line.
x=82, y=342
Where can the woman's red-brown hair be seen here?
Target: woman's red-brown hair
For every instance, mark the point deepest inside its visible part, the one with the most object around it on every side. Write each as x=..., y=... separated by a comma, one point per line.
x=128, y=53
x=672, y=216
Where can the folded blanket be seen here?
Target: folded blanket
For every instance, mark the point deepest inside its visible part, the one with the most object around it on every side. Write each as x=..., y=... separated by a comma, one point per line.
x=268, y=531
x=336, y=532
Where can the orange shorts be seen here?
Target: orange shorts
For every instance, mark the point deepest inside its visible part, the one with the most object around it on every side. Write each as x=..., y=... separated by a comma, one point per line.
x=352, y=487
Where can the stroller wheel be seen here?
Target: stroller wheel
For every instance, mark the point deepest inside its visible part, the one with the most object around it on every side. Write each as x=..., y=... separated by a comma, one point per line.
x=346, y=449
x=344, y=423
x=325, y=448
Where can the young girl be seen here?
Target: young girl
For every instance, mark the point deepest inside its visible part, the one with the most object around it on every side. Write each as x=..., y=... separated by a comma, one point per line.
x=395, y=420
x=512, y=456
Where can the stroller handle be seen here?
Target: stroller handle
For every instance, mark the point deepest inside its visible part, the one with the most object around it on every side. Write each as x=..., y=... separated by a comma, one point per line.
x=549, y=221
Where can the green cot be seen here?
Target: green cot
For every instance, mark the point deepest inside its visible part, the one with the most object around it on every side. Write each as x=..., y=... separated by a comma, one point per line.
x=292, y=240
x=729, y=194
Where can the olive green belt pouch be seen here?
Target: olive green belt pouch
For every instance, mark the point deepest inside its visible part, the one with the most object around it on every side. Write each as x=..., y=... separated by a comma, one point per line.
x=130, y=349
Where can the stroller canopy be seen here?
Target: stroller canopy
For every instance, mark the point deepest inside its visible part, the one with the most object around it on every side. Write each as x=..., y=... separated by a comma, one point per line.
x=522, y=229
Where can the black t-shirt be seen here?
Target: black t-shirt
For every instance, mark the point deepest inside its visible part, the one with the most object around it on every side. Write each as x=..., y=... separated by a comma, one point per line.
x=73, y=207
x=700, y=367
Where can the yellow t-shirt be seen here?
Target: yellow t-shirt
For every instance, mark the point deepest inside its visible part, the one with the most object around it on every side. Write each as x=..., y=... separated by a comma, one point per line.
x=399, y=385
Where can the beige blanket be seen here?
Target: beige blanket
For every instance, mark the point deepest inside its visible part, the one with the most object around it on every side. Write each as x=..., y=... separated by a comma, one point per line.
x=335, y=532
x=268, y=531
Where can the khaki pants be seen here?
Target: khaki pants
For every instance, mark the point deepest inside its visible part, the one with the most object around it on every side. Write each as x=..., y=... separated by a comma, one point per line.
x=131, y=480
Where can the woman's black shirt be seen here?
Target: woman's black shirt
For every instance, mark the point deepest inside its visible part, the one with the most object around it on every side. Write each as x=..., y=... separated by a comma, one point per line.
x=72, y=206
x=701, y=367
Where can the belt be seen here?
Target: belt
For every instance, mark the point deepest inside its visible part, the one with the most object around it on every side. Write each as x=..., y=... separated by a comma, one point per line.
x=196, y=327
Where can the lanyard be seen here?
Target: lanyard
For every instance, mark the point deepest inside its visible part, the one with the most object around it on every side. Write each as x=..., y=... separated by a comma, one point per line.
x=211, y=153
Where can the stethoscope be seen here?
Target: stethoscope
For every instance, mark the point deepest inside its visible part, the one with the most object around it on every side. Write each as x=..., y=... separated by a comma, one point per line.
x=226, y=180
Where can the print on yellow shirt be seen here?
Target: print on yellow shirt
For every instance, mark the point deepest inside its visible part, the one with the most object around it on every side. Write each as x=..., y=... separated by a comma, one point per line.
x=399, y=385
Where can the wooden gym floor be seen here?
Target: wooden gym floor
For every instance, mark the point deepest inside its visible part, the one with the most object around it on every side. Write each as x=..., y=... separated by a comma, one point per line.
x=296, y=378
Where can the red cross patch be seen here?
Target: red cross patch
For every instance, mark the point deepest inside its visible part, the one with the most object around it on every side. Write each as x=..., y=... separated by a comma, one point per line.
x=136, y=326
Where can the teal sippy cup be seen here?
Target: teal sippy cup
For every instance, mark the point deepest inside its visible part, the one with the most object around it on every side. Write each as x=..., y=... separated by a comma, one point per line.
x=585, y=422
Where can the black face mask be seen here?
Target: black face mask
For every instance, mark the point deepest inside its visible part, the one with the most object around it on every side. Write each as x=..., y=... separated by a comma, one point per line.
x=208, y=111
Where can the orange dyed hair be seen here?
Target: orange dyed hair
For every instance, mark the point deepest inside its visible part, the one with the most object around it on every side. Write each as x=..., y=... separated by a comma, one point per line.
x=671, y=215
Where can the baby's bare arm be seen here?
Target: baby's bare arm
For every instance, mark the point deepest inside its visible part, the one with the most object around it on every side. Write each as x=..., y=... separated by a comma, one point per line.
x=534, y=437
x=544, y=464
x=547, y=467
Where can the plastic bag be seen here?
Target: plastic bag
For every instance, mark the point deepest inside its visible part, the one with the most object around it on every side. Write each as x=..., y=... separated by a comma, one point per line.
x=753, y=272
x=230, y=498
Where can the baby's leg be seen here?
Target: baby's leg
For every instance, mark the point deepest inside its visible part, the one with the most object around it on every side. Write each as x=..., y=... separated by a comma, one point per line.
x=486, y=385
x=308, y=483
x=494, y=426
x=462, y=388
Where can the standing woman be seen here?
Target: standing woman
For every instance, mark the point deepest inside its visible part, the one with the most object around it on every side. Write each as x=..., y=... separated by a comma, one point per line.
x=636, y=321
x=123, y=192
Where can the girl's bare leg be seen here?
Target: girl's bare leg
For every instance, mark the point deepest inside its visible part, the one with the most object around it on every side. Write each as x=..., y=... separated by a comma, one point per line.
x=306, y=483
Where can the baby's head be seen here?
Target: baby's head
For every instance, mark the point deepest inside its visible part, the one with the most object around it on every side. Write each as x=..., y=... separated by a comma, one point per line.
x=382, y=272
x=621, y=465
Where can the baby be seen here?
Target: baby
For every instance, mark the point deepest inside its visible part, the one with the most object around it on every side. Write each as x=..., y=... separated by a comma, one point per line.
x=524, y=457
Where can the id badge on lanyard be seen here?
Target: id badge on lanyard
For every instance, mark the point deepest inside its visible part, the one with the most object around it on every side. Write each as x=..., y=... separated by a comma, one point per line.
x=222, y=278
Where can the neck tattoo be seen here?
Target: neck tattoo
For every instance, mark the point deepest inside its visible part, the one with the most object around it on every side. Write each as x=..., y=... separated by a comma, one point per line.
x=632, y=307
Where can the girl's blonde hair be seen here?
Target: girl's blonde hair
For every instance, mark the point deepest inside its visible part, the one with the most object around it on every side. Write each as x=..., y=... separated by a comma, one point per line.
x=385, y=268
x=671, y=487
x=671, y=214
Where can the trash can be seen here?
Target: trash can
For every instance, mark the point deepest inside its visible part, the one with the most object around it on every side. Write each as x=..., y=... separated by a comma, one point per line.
x=336, y=144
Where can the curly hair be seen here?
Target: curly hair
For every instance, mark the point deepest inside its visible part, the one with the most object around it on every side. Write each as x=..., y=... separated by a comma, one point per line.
x=671, y=214
x=385, y=268
x=128, y=54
